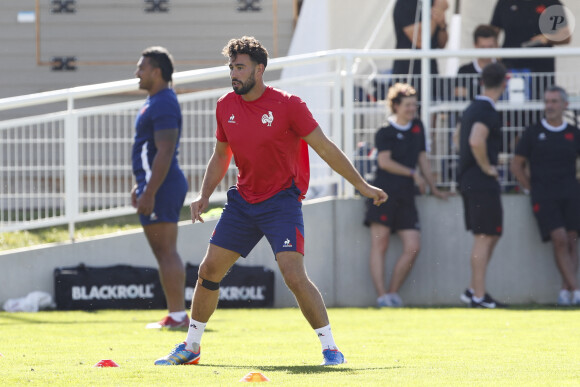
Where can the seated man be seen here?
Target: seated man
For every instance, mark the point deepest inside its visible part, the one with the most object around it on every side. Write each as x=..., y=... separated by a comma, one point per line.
x=468, y=85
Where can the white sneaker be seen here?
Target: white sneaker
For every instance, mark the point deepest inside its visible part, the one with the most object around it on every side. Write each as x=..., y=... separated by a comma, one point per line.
x=396, y=301
x=384, y=301
x=565, y=298
x=576, y=297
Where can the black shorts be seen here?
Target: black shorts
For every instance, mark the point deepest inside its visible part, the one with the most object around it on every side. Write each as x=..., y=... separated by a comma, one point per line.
x=483, y=212
x=554, y=213
x=397, y=213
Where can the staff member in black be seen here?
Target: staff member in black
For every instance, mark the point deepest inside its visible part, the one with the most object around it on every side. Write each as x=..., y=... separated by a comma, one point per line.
x=550, y=149
x=401, y=147
x=407, y=22
x=520, y=22
x=479, y=145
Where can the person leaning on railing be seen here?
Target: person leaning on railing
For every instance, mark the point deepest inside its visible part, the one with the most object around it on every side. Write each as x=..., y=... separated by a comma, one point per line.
x=401, y=147
x=545, y=166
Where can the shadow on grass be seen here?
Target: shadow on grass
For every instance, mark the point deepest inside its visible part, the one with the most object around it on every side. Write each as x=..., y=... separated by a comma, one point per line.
x=302, y=369
x=33, y=318
x=513, y=307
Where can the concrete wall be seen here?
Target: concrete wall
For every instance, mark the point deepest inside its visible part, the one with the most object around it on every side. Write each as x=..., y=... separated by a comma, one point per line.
x=337, y=249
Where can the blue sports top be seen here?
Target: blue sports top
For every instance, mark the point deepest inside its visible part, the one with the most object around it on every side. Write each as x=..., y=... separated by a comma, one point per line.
x=160, y=111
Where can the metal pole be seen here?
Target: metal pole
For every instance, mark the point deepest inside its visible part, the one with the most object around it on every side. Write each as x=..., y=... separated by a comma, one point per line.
x=426, y=68
x=71, y=169
x=348, y=189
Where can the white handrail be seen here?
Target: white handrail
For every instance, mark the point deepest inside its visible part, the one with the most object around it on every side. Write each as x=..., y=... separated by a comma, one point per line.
x=278, y=63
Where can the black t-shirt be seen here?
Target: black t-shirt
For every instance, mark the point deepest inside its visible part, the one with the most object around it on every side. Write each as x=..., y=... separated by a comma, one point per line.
x=403, y=16
x=520, y=22
x=405, y=144
x=469, y=82
x=551, y=153
x=471, y=177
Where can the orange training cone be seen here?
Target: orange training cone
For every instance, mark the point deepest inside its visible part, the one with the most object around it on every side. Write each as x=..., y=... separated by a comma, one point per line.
x=106, y=363
x=254, y=377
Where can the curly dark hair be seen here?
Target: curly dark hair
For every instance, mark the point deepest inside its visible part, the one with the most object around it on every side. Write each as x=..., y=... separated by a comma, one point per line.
x=396, y=94
x=247, y=45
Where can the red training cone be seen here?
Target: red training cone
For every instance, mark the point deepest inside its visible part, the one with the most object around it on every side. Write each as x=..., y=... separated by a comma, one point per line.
x=106, y=363
x=254, y=377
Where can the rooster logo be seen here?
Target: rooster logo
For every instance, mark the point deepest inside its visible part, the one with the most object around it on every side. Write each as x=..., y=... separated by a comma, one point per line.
x=268, y=118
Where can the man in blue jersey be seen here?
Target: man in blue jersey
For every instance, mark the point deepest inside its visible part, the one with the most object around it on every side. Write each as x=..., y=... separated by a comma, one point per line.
x=160, y=188
x=550, y=149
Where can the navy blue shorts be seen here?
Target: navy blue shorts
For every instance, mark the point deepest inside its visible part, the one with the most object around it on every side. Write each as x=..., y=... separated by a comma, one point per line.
x=279, y=218
x=168, y=201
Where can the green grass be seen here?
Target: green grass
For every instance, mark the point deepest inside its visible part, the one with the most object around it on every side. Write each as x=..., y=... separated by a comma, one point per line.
x=410, y=346
x=29, y=238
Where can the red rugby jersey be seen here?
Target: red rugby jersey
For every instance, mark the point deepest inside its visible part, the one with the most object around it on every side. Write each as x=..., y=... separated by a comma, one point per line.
x=265, y=136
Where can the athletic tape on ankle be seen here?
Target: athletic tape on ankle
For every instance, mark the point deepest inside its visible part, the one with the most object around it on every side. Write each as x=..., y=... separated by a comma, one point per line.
x=208, y=284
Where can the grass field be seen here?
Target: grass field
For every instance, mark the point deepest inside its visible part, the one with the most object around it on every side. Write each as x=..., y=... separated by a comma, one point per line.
x=384, y=347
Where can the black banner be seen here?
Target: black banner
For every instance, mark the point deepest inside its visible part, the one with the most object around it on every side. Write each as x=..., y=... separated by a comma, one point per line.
x=130, y=287
x=112, y=287
x=242, y=287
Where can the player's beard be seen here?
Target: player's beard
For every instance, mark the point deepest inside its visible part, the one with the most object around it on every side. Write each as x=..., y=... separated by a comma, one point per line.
x=245, y=86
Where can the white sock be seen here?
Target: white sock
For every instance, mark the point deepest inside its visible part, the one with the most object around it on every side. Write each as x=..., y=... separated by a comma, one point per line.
x=178, y=316
x=325, y=337
x=194, y=333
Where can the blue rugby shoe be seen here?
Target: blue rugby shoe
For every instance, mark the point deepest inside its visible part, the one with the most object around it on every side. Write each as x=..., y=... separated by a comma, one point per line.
x=332, y=357
x=180, y=356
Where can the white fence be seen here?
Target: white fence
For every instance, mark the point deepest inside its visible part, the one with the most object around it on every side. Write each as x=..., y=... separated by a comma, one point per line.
x=74, y=165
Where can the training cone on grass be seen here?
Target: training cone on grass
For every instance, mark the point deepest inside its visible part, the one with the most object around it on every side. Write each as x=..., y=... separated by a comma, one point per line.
x=254, y=377
x=106, y=363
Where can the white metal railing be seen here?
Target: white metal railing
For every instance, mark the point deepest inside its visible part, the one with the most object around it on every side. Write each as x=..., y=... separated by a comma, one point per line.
x=74, y=165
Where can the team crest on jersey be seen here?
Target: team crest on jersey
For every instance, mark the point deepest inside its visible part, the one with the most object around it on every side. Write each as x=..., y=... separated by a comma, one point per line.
x=268, y=118
x=232, y=119
x=542, y=136
x=143, y=109
x=569, y=136
x=416, y=129
x=400, y=136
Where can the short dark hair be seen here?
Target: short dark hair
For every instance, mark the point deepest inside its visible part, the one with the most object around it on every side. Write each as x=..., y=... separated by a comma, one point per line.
x=247, y=45
x=160, y=58
x=493, y=75
x=484, y=31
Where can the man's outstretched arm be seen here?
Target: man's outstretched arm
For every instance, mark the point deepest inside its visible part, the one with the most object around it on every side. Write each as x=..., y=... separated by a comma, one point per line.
x=338, y=161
